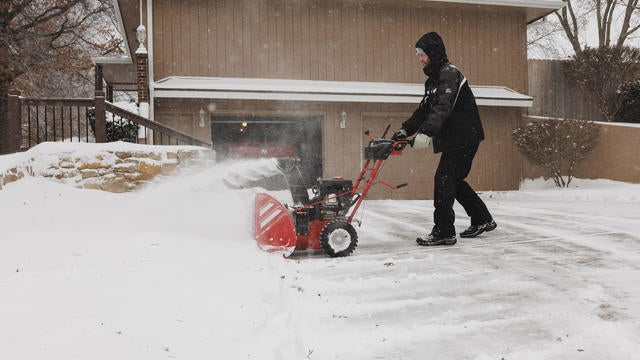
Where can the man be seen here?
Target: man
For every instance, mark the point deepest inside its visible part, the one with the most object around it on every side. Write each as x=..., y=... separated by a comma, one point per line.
x=448, y=113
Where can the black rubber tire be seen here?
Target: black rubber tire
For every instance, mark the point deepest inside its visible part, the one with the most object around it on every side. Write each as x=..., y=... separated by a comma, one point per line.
x=338, y=238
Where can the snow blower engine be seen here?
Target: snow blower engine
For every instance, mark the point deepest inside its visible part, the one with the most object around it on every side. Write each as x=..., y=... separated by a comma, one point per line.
x=324, y=219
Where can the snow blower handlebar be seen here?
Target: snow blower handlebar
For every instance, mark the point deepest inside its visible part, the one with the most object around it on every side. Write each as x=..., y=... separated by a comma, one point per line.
x=399, y=144
x=381, y=149
x=376, y=152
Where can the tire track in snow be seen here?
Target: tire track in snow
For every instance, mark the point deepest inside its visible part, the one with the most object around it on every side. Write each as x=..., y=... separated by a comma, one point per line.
x=575, y=232
x=545, y=226
x=604, y=223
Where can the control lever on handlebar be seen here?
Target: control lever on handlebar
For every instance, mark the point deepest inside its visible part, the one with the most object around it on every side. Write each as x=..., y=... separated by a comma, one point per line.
x=384, y=134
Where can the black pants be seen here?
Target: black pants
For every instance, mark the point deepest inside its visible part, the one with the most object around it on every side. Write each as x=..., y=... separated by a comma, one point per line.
x=453, y=168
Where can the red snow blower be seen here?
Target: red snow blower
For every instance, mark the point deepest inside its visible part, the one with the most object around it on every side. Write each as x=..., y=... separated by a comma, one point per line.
x=323, y=221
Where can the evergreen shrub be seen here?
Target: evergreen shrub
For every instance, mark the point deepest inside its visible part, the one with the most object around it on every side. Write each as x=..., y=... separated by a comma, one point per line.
x=629, y=110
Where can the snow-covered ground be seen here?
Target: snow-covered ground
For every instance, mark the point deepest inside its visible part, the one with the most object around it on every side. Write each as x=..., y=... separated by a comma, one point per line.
x=171, y=272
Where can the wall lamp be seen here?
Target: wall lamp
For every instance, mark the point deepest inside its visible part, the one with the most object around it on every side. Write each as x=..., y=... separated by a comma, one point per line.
x=202, y=114
x=141, y=35
x=343, y=119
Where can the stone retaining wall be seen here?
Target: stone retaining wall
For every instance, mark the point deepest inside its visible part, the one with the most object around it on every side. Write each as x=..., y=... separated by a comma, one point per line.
x=114, y=170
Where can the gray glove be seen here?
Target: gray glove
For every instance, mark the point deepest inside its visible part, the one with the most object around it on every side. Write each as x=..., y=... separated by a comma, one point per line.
x=421, y=141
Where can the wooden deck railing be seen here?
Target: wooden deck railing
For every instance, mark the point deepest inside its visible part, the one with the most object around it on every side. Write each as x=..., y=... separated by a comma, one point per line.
x=35, y=120
x=163, y=135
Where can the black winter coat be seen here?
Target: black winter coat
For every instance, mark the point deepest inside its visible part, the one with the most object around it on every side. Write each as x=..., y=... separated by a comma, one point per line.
x=448, y=112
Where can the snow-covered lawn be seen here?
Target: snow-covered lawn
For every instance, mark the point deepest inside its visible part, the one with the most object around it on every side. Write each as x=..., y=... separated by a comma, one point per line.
x=171, y=272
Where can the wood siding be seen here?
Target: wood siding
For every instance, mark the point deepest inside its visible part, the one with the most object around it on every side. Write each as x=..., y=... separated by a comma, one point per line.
x=498, y=164
x=368, y=40
x=335, y=40
x=554, y=97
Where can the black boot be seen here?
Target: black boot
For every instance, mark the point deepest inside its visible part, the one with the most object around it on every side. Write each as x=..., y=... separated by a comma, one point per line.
x=434, y=239
x=475, y=230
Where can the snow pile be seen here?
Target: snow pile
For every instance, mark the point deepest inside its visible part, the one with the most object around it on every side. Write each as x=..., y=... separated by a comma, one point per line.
x=579, y=190
x=171, y=271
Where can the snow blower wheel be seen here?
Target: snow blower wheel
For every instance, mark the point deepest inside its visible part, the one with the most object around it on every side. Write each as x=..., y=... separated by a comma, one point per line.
x=338, y=238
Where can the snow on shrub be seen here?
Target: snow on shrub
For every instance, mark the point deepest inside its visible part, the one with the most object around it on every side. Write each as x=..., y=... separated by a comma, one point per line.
x=557, y=145
x=629, y=110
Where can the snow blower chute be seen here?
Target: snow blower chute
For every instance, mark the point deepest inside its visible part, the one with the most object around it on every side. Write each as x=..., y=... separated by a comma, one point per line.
x=324, y=220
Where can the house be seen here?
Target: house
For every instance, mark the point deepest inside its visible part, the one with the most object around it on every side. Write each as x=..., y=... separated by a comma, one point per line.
x=308, y=77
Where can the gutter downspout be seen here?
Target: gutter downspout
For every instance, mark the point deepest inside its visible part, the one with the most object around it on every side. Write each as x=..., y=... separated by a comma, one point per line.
x=150, y=50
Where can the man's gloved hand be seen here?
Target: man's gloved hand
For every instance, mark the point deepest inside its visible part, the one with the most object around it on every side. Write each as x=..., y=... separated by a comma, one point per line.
x=421, y=141
x=399, y=135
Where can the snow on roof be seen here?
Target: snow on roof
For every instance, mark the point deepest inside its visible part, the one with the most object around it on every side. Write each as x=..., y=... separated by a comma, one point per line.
x=316, y=90
x=535, y=9
x=543, y=4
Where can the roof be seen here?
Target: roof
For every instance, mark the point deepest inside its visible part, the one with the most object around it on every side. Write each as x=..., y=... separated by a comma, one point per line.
x=120, y=71
x=535, y=9
x=547, y=4
x=316, y=90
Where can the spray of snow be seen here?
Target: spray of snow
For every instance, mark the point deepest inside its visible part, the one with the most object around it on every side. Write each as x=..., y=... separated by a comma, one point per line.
x=172, y=270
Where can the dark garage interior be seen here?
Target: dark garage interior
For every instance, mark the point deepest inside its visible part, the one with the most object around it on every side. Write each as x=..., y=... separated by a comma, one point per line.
x=250, y=137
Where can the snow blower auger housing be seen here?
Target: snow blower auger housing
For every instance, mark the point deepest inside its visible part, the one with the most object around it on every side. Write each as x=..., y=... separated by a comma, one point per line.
x=323, y=221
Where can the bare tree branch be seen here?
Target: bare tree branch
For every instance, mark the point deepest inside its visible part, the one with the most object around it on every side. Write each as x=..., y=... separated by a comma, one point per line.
x=569, y=22
x=626, y=29
x=39, y=37
x=605, y=15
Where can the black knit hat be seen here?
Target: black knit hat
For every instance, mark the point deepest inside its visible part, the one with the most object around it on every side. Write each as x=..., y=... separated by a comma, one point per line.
x=433, y=46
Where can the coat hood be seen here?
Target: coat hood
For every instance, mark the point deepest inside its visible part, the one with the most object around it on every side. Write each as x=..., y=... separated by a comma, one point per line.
x=433, y=46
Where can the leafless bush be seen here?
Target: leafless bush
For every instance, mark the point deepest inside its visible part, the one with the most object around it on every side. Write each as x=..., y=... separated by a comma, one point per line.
x=557, y=145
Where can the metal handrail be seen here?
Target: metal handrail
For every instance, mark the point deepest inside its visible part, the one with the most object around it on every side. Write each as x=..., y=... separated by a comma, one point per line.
x=161, y=131
x=25, y=101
